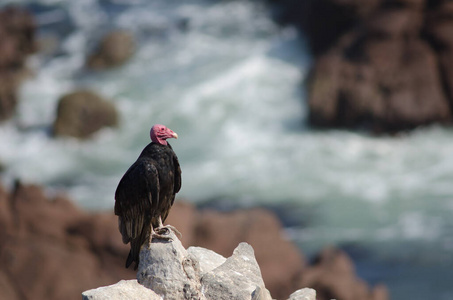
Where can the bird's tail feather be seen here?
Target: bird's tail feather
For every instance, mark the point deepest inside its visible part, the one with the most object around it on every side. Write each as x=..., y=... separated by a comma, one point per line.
x=129, y=259
x=134, y=254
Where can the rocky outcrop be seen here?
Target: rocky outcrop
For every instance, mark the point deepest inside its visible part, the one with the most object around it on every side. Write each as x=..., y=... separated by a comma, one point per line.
x=50, y=249
x=172, y=272
x=17, y=36
x=114, y=49
x=380, y=65
x=169, y=271
x=82, y=113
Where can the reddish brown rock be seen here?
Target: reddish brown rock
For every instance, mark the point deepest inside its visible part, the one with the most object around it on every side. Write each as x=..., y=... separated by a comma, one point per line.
x=46, y=251
x=17, y=36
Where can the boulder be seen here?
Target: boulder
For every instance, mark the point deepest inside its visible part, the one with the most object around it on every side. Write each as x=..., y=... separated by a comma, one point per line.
x=221, y=232
x=382, y=86
x=125, y=289
x=17, y=36
x=239, y=277
x=113, y=50
x=174, y=273
x=82, y=113
x=166, y=268
x=208, y=259
x=382, y=66
x=303, y=294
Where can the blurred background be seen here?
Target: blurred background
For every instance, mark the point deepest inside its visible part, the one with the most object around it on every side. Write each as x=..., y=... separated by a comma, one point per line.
x=332, y=114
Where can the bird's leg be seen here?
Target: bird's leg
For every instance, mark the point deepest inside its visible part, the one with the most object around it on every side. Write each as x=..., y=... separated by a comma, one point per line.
x=157, y=234
x=166, y=228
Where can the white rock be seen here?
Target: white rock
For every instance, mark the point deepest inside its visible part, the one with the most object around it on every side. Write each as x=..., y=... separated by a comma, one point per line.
x=239, y=277
x=208, y=259
x=169, y=270
x=125, y=289
x=303, y=294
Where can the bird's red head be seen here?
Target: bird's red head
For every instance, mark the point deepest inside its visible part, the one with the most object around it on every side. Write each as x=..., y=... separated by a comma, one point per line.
x=159, y=133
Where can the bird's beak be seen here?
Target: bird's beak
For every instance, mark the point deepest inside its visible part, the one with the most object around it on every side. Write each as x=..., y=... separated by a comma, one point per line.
x=175, y=135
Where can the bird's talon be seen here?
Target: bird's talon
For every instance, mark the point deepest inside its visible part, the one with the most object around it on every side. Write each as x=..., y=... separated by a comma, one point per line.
x=163, y=230
x=161, y=237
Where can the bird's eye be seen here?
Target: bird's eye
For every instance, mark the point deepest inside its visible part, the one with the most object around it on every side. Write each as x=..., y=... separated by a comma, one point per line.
x=161, y=129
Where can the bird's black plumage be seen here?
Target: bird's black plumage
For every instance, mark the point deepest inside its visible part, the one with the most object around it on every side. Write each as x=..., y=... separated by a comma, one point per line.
x=146, y=192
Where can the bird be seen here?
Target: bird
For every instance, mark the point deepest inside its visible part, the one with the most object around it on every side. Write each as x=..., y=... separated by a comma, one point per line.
x=146, y=192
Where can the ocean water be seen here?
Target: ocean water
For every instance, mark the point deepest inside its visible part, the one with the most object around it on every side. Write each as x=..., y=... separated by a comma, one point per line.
x=229, y=82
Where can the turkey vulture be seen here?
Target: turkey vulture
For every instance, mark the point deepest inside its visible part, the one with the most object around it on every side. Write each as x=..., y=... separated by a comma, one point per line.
x=146, y=193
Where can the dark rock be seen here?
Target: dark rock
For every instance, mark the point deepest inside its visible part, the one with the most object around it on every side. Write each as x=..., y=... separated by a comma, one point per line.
x=17, y=36
x=333, y=277
x=82, y=113
x=380, y=85
x=439, y=31
x=375, y=71
x=114, y=50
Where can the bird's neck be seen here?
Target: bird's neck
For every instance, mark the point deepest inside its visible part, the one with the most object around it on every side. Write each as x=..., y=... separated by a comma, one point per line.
x=157, y=140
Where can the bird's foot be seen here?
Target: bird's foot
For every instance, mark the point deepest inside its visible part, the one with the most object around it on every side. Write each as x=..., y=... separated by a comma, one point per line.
x=161, y=235
x=166, y=230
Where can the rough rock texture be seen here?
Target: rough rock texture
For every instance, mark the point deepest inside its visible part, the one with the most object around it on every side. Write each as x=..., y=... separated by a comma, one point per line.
x=174, y=273
x=221, y=232
x=82, y=113
x=125, y=289
x=208, y=259
x=114, y=50
x=17, y=42
x=382, y=65
x=41, y=235
x=168, y=269
x=239, y=277
x=303, y=294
